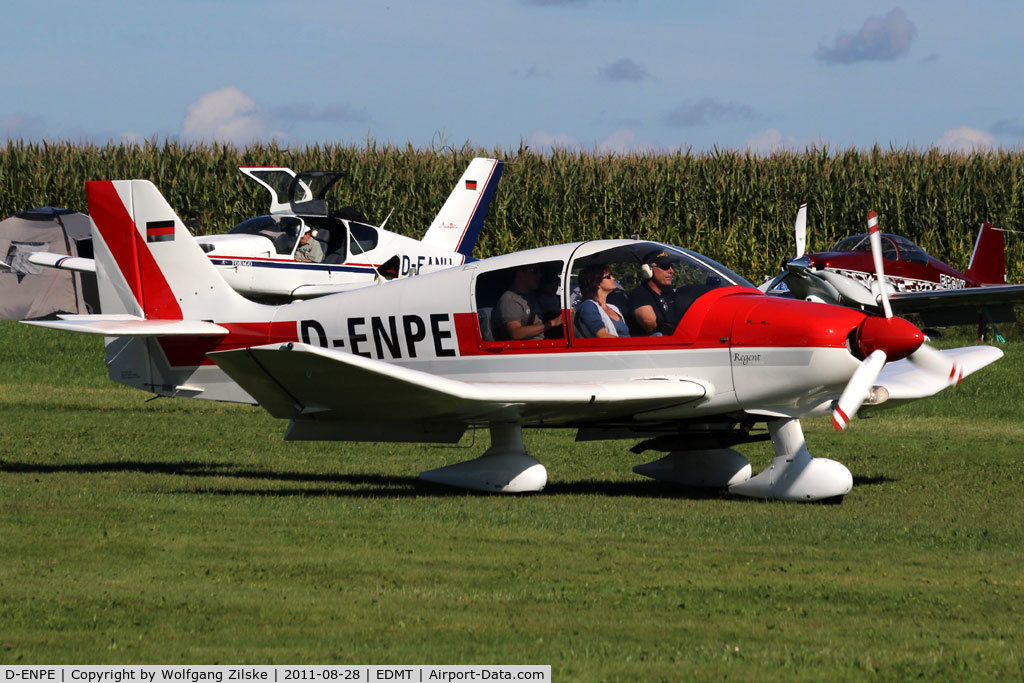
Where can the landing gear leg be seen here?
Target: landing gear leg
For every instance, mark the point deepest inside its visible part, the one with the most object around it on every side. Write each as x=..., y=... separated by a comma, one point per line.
x=794, y=474
x=505, y=467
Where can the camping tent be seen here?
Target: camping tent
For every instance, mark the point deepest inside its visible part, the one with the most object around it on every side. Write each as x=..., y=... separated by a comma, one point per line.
x=29, y=291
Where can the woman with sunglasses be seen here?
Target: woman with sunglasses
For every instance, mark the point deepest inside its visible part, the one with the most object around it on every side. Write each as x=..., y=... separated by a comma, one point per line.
x=600, y=318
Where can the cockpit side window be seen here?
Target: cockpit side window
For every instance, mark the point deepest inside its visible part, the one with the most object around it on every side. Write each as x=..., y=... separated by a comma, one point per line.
x=362, y=238
x=522, y=303
x=333, y=237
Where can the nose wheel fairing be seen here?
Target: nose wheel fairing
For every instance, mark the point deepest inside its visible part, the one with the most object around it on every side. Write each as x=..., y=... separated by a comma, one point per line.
x=794, y=475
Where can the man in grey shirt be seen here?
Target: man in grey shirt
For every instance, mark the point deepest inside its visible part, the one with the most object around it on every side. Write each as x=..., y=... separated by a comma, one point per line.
x=309, y=249
x=518, y=313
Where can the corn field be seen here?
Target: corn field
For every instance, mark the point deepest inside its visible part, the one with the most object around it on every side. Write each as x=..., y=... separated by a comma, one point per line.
x=733, y=206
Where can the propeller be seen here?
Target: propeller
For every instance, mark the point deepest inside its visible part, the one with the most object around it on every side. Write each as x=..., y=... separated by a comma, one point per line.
x=876, y=253
x=857, y=389
x=880, y=339
x=800, y=229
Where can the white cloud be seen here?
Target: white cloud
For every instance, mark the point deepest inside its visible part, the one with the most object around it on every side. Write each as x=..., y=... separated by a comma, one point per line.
x=225, y=115
x=541, y=139
x=768, y=141
x=619, y=142
x=964, y=139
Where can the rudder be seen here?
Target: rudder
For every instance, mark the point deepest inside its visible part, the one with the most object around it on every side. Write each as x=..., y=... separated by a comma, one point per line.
x=988, y=262
x=457, y=225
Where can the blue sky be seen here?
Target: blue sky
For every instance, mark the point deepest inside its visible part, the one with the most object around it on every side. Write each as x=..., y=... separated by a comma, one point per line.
x=617, y=75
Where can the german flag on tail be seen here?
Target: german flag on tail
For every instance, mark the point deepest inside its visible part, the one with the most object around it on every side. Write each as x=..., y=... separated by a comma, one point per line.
x=160, y=231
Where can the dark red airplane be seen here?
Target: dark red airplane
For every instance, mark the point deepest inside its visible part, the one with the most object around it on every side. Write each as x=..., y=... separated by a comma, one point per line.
x=916, y=282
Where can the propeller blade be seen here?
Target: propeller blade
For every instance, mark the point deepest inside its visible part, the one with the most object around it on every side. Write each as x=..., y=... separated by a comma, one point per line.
x=800, y=229
x=931, y=360
x=857, y=389
x=876, y=253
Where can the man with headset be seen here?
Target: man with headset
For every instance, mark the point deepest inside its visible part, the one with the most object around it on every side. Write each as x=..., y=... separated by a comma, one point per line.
x=653, y=303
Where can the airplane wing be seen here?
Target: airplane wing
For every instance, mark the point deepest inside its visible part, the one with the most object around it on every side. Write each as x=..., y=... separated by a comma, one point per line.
x=302, y=382
x=938, y=307
x=125, y=325
x=63, y=262
x=969, y=297
x=906, y=382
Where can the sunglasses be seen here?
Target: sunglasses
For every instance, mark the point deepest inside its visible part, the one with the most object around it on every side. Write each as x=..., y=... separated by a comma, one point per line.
x=608, y=277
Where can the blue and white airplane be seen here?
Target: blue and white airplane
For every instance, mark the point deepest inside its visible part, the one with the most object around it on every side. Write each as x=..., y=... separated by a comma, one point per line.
x=257, y=257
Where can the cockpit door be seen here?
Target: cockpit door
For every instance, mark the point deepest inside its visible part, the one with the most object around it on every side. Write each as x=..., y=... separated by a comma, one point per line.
x=276, y=179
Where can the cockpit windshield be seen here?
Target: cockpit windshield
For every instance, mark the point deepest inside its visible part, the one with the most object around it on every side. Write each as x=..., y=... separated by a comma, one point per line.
x=908, y=250
x=283, y=231
x=855, y=243
x=632, y=263
x=893, y=247
x=683, y=276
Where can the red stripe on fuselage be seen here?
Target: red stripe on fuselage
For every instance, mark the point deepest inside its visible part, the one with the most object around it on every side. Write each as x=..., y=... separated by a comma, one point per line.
x=183, y=352
x=134, y=259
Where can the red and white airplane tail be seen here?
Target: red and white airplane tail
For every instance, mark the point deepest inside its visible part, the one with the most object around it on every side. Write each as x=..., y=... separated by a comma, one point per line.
x=160, y=296
x=457, y=225
x=988, y=262
x=148, y=265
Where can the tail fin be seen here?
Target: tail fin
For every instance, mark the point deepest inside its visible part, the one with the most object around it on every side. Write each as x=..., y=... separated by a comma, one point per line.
x=457, y=225
x=988, y=262
x=147, y=263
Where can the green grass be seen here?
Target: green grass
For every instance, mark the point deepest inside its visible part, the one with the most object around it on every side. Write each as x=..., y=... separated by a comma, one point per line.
x=176, y=531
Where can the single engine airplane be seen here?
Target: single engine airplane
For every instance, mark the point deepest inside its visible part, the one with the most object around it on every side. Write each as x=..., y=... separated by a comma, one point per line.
x=915, y=282
x=258, y=256
x=418, y=360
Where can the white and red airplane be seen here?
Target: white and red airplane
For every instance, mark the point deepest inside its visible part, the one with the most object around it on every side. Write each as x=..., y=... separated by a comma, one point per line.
x=257, y=256
x=416, y=360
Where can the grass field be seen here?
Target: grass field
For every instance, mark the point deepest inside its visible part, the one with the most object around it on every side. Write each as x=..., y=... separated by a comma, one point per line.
x=176, y=531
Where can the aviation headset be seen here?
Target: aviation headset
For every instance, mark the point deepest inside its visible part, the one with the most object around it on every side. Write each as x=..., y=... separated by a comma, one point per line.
x=647, y=268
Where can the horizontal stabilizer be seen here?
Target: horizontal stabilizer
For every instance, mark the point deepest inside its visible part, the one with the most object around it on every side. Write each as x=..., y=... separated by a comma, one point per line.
x=304, y=382
x=78, y=264
x=124, y=325
x=907, y=382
